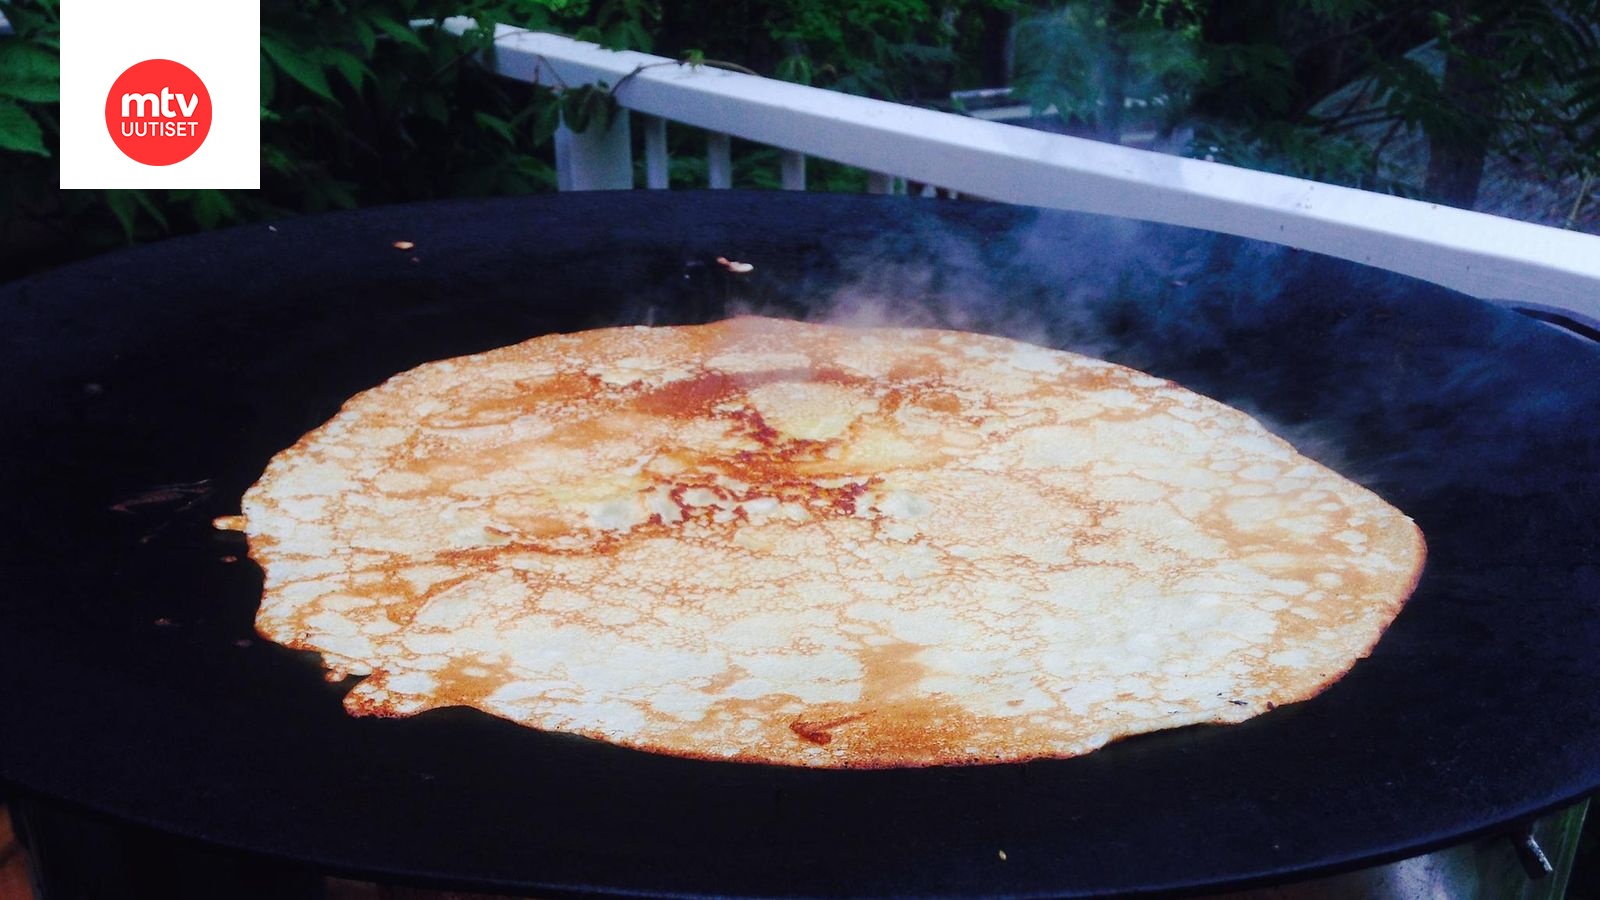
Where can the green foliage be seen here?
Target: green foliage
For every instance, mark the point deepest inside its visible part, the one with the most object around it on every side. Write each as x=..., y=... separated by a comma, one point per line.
x=30, y=72
x=365, y=108
x=1304, y=152
x=870, y=47
x=1249, y=81
x=1521, y=77
x=1584, y=103
x=891, y=49
x=1093, y=64
x=19, y=131
x=357, y=107
x=33, y=71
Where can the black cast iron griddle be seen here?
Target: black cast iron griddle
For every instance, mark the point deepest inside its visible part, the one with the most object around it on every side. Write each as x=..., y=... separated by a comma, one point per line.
x=133, y=685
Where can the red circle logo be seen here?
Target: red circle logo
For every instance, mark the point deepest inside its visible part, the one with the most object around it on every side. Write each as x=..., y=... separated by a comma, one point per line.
x=158, y=112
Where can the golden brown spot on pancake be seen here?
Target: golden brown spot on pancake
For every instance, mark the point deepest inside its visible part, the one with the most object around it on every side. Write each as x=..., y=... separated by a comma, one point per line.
x=890, y=671
x=465, y=682
x=894, y=717
x=687, y=397
x=562, y=386
x=698, y=394
x=939, y=401
x=821, y=732
x=914, y=368
x=725, y=679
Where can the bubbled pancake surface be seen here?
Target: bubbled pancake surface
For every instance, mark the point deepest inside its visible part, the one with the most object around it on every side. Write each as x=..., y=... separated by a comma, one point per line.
x=801, y=544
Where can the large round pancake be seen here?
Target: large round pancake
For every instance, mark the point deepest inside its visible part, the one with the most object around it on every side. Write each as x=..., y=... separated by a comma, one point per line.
x=811, y=545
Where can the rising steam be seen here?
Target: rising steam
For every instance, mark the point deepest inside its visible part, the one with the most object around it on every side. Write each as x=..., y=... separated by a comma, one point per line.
x=1338, y=359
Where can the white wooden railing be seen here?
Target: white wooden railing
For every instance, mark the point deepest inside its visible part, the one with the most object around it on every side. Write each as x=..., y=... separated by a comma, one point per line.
x=1478, y=254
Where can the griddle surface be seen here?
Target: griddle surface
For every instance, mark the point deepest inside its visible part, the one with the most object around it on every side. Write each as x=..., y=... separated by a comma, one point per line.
x=134, y=684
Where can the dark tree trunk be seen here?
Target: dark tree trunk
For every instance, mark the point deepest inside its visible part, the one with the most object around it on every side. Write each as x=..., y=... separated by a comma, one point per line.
x=1224, y=24
x=1241, y=22
x=1458, y=146
x=1319, y=72
x=1118, y=71
x=995, y=62
x=1455, y=170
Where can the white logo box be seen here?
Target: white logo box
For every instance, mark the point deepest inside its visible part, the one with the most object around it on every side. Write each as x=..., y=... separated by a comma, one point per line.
x=219, y=39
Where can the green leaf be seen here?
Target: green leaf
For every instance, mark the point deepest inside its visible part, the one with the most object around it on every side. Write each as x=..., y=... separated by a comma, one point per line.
x=642, y=39
x=211, y=208
x=36, y=22
x=529, y=110
x=626, y=35
x=353, y=69
x=398, y=30
x=586, y=107
x=364, y=36
x=433, y=106
x=337, y=193
x=497, y=125
x=269, y=83
x=144, y=201
x=598, y=106
x=123, y=207
x=30, y=73
x=302, y=69
x=795, y=68
x=546, y=121
x=569, y=7
x=276, y=160
x=18, y=130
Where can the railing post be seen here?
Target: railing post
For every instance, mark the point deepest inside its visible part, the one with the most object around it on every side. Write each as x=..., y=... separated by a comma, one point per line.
x=793, y=165
x=719, y=160
x=655, y=152
x=880, y=183
x=595, y=159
